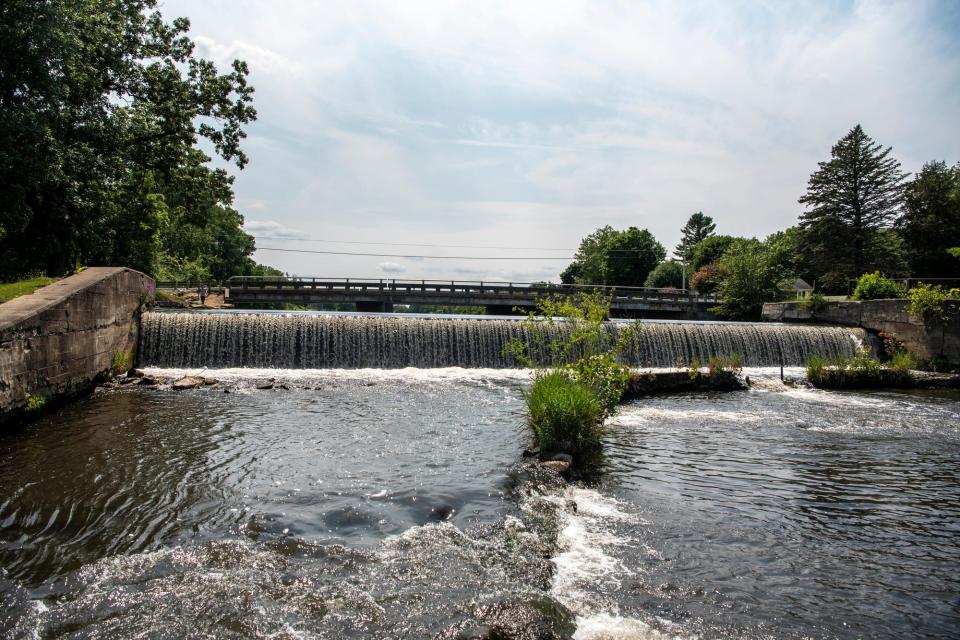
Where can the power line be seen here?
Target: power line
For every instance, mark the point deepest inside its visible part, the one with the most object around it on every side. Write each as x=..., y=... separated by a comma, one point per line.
x=398, y=255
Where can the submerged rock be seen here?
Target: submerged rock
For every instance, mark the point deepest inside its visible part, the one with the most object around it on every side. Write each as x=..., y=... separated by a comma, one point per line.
x=265, y=385
x=187, y=382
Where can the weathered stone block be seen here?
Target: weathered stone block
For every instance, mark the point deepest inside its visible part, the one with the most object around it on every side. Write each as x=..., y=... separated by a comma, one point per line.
x=55, y=342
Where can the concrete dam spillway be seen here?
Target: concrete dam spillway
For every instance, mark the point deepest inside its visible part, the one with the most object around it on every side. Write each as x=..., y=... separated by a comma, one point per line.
x=320, y=341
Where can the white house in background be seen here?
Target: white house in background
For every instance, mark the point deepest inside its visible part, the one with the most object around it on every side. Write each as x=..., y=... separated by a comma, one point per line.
x=797, y=286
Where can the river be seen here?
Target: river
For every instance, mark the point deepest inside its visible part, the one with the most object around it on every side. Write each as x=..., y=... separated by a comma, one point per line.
x=396, y=504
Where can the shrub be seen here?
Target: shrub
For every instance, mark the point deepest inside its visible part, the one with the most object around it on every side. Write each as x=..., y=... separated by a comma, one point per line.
x=565, y=415
x=815, y=369
x=874, y=286
x=605, y=377
x=694, y=371
x=902, y=361
x=732, y=362
x=928, y=302
x=119, y=361
x=814, y=303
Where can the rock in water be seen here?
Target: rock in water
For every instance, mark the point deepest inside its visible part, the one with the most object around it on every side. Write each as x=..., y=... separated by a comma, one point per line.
x=556, y=465
x=187, y=382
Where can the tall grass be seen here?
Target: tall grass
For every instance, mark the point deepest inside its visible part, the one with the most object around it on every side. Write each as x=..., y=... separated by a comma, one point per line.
x=565, y=415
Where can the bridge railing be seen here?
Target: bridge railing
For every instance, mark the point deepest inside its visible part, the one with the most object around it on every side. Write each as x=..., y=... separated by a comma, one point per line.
x=474, y=287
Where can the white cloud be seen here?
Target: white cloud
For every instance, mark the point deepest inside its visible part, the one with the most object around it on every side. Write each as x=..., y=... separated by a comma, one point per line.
x=271, y=230
x=392, y=267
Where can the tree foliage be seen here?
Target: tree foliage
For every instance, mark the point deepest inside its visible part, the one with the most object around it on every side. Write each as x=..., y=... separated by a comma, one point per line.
x=850, y=199
x=931, y=221
x=102, y=108
x=615, y=258
x=750, y=273
x=709, y=250
x=666, y=274
x=698, y=228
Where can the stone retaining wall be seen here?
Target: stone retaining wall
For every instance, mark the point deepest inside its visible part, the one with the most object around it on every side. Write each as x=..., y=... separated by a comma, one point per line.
x=55, y=342
x=925, y=340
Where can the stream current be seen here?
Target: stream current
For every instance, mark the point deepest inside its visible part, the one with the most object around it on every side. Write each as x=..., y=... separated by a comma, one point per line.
x=396, y=504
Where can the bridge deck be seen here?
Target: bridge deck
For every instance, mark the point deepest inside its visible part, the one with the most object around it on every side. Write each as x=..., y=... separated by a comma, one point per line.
x=500, y=296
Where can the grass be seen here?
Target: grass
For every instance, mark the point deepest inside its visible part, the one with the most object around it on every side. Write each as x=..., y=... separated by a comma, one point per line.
x=861, y=371
x=565, y=415
x=11, y=290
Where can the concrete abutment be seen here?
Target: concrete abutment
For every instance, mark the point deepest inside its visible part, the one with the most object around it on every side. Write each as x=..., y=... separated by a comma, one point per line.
x=56, y=342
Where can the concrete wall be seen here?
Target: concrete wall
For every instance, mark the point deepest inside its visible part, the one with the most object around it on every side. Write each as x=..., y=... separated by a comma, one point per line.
x=55, y=342
x=925, y=340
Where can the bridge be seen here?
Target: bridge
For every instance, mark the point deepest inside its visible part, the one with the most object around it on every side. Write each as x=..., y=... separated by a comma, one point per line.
x=500, y=298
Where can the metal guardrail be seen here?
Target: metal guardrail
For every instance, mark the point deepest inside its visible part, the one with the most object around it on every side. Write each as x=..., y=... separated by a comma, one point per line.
x=186, y=284
x=466, y=288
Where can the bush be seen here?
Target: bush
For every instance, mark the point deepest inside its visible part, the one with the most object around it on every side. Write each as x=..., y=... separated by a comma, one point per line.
x=927, y=303
x=732, y=362
x=565, y=415
x=902, y=361
x=874, y=286
x=605, y=377
x=814, y=303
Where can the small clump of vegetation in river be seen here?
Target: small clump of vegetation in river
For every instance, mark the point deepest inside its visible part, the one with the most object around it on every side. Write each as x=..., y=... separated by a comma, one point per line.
x=732, y=362
x=863, y=370
x=564, y=415
x=580, y=379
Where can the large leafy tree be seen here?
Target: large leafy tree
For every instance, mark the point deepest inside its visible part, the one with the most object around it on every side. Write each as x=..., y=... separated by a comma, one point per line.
x=750, y=273
x=615, y=258
x=102, y=107
x=850, y=199
x=698, y=228
x=930, y=225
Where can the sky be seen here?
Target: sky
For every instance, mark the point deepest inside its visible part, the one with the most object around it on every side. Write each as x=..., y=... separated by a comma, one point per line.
x=514, y=129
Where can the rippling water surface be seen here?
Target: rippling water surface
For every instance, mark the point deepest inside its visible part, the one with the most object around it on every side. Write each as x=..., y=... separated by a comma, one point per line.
x=395, y=504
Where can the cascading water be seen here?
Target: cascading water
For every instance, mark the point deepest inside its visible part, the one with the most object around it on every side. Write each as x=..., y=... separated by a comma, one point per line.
x=347, y=342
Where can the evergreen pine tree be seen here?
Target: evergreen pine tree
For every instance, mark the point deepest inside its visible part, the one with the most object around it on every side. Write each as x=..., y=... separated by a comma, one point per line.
x=850, y=199
x=698, y=227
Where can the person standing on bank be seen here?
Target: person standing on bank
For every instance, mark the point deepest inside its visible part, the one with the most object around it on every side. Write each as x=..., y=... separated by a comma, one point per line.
x=203, y=293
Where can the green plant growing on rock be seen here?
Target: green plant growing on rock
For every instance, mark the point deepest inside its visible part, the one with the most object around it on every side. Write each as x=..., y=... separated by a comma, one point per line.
x=564, y=415
x=580, y=381
x=119, y=362
x=814, y=303
x=694, y=371
x=902, y=362
x=35, y=404
x=732, y=362
x=862, y=370
x=931, y=302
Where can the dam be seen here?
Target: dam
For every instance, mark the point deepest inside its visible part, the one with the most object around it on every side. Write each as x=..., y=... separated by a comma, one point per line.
x=324, y=341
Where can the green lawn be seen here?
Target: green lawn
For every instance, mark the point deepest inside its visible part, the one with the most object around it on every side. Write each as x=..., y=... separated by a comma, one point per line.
x=10, y=290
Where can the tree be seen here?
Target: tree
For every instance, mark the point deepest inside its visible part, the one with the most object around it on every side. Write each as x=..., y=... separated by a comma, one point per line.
x=750, y=273
x=666, y=274
x=931, y=221
x=615, y=258
x=709, y=250
x=102, y=105
x=698, y=228
x=851, y=197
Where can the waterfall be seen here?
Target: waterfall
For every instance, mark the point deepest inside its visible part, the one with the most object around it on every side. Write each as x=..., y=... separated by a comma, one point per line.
x=271, y=340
